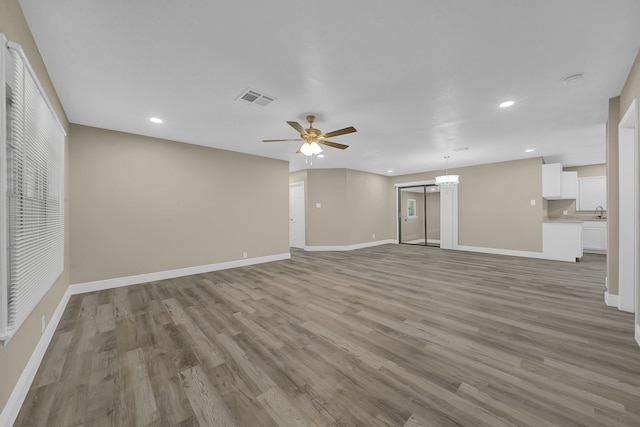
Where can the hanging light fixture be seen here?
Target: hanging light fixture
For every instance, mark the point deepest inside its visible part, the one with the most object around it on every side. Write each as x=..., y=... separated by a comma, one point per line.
x=447, y=181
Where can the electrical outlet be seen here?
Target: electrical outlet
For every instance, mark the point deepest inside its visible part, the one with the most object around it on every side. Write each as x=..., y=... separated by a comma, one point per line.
x=374, y=236
x=533, y=202
x=44, y=324
x=245, y=254
x=565, y=212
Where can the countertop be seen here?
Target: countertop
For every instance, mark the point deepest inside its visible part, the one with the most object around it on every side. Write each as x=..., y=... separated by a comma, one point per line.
x=573, y=219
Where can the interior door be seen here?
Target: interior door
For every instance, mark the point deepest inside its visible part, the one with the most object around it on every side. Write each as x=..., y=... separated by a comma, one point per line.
x=296, y=216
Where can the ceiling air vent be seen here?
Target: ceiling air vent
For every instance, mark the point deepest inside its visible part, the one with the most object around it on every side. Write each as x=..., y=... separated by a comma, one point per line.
x=255, y=97
x=461, y=149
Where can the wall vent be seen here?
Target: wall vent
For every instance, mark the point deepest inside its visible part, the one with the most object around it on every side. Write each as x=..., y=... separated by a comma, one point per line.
x=255, y=97
x=461, y=149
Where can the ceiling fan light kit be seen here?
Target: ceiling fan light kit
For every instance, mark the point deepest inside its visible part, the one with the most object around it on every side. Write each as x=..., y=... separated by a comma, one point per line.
x=313, y=137
x=310, y=149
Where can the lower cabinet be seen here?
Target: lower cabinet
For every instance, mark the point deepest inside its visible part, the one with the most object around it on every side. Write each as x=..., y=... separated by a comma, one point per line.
x=594, y=236
x=562, y=241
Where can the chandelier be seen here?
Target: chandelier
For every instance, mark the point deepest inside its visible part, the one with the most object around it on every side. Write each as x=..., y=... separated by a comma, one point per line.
x=447, y=181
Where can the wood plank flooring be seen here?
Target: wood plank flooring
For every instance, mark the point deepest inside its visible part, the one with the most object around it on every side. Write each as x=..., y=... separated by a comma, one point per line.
x=392, y=335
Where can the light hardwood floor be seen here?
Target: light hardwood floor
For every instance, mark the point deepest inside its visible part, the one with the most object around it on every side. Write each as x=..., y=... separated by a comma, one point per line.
x=393, y=335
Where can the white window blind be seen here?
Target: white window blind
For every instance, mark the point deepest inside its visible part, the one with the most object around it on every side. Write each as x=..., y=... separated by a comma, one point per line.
x=31, y=199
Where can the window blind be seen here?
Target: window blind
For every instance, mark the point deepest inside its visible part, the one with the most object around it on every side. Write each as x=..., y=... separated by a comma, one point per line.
x=32, y=218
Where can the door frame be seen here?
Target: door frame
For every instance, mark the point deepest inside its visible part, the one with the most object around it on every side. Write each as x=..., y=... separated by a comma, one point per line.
x=628, y=211
x=448, y=213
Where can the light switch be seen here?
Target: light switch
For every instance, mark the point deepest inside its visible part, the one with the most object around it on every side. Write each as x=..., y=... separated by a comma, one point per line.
x=565, y=212
x=533, y=202
x=318, y=205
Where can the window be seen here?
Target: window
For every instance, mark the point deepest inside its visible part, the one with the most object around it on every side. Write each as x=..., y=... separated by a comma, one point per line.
x=31, y=191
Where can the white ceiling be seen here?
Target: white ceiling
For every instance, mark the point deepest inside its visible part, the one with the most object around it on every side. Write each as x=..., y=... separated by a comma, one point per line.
x=417, y=78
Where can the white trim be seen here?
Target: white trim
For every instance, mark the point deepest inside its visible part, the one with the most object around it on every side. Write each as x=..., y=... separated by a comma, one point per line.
x=415, y=183
x=595, y=251
x=19, y=393
x=4, y=316
x=350, y=247
x=100, y=285
x=610, y=299
x=629, y=241
x=638, y=334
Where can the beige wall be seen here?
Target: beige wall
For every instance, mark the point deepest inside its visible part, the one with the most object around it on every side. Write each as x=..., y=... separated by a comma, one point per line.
x=494, y=204
x=142, y=205
x=354, y=206
x=14, y=356
x=369, y=208
x=556, y=207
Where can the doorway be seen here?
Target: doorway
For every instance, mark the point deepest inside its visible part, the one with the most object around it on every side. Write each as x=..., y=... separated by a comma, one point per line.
x=419, y=215
x=296, y=216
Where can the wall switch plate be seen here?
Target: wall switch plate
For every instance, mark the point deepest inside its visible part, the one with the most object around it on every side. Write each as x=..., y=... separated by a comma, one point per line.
x=318, y=205
x=374, y=236
x=245, y=254
x=565, y=212
x=533, y=202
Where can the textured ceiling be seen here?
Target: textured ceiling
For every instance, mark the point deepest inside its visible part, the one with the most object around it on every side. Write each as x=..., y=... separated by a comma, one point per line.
x=419, y=79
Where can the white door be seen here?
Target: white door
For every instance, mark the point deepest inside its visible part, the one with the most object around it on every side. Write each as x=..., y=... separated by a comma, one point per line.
x=296, y=215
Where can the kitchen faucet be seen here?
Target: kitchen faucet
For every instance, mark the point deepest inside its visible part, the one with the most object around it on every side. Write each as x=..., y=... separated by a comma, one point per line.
x=601, y=215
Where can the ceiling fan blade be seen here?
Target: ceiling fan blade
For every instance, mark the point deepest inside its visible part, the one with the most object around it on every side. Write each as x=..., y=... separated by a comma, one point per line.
x=281, y=140
x=350, y=129
x=332, y=144
x=297, y=126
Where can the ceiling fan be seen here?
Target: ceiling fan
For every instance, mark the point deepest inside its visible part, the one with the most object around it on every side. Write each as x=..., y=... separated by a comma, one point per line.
x=313, y=137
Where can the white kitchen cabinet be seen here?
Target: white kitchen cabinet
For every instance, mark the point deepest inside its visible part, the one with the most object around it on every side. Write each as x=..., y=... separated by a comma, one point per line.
x=594, y=237
x=569, y=185
x=592, y=192
x=557, y=184
x=562, y=241
x=552, y=181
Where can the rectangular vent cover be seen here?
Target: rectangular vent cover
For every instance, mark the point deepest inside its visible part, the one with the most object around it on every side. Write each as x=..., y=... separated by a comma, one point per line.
x=461, y=149
x=255, y=97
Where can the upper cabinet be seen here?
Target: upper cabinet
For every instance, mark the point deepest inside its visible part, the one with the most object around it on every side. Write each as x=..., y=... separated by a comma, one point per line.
x=592, y=193
x=557, y=184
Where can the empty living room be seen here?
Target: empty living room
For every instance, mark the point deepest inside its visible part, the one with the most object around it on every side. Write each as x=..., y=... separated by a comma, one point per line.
x=319, y=214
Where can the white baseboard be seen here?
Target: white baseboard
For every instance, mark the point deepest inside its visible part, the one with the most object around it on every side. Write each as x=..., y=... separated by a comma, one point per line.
x=98, y=285
x=19, y=393
x=638, y=334
x=13, y=405
x=610, y=299
x=350, y=247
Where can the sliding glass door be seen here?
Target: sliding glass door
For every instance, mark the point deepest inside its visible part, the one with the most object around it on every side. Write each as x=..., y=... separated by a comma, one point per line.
x=419, y=215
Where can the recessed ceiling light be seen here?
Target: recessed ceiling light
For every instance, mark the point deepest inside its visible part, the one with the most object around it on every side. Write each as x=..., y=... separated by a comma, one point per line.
x=390, y=171
x=529, y=150
x=506, y=104
x=155, y=120
x=320, y=155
